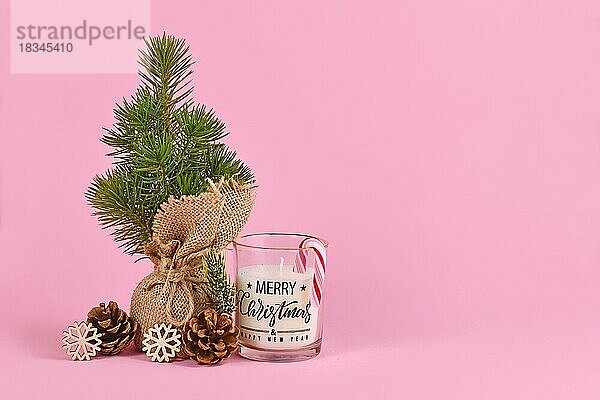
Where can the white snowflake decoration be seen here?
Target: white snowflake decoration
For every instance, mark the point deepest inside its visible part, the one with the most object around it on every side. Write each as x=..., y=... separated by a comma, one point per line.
x=162, y=342
x=81, y=341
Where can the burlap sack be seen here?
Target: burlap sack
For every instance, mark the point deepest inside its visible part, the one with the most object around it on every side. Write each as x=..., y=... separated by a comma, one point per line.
x=159, y=299
x=239, y=200
x=182, y=231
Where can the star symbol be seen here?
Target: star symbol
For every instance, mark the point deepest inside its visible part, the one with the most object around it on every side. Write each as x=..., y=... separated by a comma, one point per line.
x=249, y=285
x=303, y=288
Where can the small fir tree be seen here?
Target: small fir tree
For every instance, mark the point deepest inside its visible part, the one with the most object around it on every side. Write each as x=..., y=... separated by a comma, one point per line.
x=163, y=145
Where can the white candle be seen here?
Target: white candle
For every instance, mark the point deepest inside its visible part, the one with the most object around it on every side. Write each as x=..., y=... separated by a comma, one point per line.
x=274, y=307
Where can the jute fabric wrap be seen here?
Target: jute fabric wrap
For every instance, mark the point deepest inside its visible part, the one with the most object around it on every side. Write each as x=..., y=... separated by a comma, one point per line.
x=182, y=231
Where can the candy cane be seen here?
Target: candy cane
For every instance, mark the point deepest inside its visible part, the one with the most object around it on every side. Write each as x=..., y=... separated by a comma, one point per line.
x=321, y=262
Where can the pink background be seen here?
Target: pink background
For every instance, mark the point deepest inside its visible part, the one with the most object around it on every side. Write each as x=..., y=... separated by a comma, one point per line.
x=449, y=150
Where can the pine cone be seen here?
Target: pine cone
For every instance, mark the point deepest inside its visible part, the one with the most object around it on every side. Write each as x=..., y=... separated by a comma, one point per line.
x=210, y=337
x=116, y=328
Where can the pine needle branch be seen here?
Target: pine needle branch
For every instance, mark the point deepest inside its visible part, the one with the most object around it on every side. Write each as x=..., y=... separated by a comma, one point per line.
x=221, y=291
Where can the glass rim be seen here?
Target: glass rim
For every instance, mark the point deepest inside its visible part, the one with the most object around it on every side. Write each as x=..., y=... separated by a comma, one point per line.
x=304, y=235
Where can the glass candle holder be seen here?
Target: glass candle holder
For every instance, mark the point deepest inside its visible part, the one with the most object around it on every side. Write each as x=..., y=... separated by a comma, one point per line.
x=279, y=279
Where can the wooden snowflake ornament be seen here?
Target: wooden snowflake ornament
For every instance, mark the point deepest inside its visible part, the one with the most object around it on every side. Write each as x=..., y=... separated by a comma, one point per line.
x=162, y=342
x=81, y=341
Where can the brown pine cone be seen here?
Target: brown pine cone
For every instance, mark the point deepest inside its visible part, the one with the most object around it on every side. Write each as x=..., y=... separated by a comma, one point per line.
x=210, y=337
x=115, y=327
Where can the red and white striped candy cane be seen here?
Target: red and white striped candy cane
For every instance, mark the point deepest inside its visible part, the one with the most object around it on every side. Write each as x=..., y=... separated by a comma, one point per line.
x=320, y=262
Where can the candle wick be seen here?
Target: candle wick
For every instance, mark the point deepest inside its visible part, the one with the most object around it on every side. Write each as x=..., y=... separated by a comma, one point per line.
x=281, y=266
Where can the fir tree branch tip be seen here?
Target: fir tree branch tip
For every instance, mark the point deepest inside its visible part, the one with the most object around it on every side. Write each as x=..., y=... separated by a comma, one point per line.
x=221, y=291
